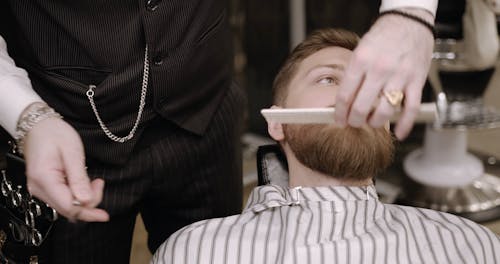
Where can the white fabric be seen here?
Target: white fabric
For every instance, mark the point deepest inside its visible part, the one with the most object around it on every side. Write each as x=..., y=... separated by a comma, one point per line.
x=15, y=90
x=429, y=5
x=329, y=225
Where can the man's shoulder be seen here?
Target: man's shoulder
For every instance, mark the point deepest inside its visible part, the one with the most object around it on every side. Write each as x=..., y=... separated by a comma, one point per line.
x=464, y=232
x=180, y=245
x=431, y=216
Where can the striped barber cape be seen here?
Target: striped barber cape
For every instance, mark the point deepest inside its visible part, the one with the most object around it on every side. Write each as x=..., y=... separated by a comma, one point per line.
x=330, y=225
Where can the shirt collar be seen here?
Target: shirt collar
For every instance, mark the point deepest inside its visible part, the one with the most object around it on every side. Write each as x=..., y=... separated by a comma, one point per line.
x=268, y=196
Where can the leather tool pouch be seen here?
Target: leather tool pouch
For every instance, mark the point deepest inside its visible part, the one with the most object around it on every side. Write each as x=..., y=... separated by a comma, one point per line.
x=25, y=222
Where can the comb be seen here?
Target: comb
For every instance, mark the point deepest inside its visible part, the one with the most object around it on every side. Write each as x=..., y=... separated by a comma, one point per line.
x=427, y=114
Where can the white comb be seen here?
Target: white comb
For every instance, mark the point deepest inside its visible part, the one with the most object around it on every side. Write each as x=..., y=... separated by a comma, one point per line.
x=427, y=114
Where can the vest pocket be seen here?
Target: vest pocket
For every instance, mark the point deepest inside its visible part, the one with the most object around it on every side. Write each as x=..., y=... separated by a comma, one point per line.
x=79, y=74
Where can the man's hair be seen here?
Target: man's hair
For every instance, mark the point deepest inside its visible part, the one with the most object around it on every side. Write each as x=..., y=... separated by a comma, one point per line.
x=317, y=40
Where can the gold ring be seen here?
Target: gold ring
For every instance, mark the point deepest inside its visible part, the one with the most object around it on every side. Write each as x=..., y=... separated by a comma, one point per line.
x=395, y=98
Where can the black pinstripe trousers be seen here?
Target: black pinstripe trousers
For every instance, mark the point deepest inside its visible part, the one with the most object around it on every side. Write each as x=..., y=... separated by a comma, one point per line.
x=174, y=179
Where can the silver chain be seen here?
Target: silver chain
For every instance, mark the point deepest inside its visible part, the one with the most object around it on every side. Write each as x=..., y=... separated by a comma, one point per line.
x=142, y=103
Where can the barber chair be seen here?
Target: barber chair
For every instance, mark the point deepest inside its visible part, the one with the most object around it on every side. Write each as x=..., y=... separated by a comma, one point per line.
x=442, y=174
x=272, y=166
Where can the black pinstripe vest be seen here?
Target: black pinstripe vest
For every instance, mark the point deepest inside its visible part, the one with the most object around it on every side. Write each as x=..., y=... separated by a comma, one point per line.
x=68, y=45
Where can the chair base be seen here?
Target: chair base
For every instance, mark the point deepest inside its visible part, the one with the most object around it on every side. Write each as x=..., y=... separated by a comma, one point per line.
x=478, y=201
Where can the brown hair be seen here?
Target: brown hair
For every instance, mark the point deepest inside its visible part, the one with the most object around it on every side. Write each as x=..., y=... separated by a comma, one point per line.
x=317, y=40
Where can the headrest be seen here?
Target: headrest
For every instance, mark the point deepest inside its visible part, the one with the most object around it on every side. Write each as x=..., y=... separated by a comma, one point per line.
x=272, y=167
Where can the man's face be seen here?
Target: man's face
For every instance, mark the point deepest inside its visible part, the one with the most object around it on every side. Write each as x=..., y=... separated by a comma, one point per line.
x=345, y=153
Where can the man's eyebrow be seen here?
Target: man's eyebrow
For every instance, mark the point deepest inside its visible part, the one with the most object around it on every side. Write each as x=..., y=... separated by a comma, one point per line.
x=333, y=66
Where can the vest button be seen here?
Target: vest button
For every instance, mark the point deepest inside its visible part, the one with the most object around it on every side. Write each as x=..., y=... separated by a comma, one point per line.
x=151, y=5
x=157, y=60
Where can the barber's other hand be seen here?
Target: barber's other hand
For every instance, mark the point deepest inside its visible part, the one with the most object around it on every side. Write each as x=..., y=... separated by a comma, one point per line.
x=394, y=55
x=56, y=174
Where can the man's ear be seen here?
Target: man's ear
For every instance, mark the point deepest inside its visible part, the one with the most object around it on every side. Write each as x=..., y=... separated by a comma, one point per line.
x=275, y=129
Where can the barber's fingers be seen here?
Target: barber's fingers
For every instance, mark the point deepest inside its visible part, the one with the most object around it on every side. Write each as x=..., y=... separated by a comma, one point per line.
x=413, y=94
x=85, y=212
x=97, y=186
x=56, y=193
x=89, y=213
x=383, y=111
x=367, y=95
x=74, y=166
x=366, y=75
x=353, y=78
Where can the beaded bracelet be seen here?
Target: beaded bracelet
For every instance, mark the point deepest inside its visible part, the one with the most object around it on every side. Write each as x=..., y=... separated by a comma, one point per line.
x=33, y=114
x=412, y=17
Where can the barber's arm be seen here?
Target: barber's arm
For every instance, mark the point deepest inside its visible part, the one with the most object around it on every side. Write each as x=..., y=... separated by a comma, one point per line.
x=394, y=55
x=55, y=161
x=16, y=91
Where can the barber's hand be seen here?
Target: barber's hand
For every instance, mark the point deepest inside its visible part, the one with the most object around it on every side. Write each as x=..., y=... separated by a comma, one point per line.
x=394, y=55
x=56, y=174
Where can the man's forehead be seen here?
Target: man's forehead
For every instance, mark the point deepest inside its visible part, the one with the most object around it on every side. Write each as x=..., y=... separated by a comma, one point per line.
x=335, y=58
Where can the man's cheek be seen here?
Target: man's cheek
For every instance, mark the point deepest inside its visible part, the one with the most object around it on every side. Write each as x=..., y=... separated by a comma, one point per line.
x=321, y=99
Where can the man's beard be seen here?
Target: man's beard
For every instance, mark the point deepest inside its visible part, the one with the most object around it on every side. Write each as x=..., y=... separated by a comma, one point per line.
x=351, y=154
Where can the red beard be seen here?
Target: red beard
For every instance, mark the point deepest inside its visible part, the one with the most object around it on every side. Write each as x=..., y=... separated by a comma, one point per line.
x=343, y=153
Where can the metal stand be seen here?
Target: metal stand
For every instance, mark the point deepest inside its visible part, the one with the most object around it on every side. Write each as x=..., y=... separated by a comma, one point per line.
x=443, y=176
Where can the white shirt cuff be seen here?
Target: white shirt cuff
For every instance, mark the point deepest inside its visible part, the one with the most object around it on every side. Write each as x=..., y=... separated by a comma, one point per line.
x=18, y=95
x=16, y=92
x=429, y=5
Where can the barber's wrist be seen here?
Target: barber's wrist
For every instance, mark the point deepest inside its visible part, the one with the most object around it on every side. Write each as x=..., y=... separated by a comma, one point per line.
x=419, y=12
x=417, y=16
x=32, y=115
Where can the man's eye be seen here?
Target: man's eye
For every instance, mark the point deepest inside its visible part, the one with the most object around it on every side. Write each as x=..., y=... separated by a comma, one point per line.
x=328, y=80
